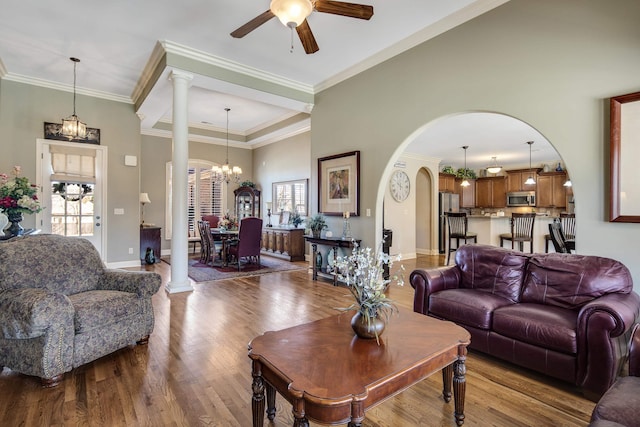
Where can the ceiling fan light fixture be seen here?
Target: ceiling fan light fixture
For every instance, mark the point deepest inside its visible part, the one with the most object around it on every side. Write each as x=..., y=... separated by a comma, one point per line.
x=494, y=167
x=291, y=12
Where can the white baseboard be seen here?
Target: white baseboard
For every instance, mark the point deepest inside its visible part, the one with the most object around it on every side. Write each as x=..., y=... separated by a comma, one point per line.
x=124, y=264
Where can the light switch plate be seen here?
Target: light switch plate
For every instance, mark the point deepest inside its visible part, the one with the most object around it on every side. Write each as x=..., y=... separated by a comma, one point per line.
x=118, y=211
x=130, y=161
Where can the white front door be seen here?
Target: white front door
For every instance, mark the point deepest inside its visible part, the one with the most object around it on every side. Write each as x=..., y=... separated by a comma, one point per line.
x=72, y=177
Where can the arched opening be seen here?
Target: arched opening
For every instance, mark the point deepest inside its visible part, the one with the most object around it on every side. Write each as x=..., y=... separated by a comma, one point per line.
x=439, y=143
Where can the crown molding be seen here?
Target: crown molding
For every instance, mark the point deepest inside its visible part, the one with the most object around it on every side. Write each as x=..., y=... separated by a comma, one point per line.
x=66, y=88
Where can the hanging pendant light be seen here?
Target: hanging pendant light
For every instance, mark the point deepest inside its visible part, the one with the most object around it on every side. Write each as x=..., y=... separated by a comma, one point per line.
x=72, y=127
x=465, y=182
x=226, y=173
x=530, y=180
x=494, y=167
x=568, y=183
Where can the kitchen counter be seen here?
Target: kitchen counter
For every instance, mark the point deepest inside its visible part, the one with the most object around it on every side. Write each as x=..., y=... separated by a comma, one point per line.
x=489, y=228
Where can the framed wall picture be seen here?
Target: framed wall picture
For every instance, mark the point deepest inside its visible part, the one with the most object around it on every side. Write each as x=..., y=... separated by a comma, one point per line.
x=54, y=131
x=339, y=184
x=624, y=196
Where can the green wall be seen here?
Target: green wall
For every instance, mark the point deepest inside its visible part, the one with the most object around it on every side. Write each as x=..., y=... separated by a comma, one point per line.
x=23, y=111
x=552, y=64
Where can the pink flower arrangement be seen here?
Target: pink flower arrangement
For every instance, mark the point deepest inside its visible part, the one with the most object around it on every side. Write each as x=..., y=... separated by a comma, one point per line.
x=17, y=195
x=227, y=222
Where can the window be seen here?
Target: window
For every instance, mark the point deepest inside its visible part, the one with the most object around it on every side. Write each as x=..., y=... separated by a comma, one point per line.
x=204, y=195
x=290, y=196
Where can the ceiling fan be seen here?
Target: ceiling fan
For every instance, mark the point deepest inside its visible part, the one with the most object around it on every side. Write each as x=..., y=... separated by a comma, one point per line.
x=294, y=13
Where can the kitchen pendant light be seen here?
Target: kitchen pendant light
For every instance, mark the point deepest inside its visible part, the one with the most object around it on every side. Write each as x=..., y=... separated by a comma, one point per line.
x=494, y=167
x=530, y=180
x=226, y=173
x=465, y=182
x=72, y=127
x=568, y=183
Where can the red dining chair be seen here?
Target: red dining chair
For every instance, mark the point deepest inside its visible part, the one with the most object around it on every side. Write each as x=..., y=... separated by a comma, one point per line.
x=249, y=241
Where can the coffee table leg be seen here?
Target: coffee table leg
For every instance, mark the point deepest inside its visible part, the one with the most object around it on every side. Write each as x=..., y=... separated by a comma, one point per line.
x=459, y=384
x=257, y=402
x=271, y=402
x=447, y=377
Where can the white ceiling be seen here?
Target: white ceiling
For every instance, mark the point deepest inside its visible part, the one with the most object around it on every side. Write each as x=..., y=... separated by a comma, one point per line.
x=116, y=42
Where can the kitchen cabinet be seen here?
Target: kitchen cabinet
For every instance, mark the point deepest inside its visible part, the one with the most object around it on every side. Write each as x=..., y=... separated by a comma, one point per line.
x=467, y=194
x=247, y=202
x=516, y=179
x=446, y=183
x=285, y=243
x=491, y=192
x=551, y=192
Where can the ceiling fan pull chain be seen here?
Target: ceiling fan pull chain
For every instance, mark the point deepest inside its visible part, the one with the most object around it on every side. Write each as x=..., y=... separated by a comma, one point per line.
x=291, y=50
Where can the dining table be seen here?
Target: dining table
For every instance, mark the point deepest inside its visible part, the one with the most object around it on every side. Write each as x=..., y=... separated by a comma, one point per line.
x=222, y=235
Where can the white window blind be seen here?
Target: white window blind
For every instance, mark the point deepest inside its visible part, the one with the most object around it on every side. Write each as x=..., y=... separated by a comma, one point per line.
x=204, y=196
x=73, y=164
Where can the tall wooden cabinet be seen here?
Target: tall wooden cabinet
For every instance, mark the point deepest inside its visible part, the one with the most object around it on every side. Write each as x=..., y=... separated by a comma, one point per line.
x=247, y=202
x=491, y=192
x=551, y=190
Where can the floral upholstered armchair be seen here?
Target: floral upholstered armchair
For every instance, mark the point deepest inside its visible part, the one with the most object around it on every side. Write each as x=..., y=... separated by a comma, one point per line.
x=61, y=308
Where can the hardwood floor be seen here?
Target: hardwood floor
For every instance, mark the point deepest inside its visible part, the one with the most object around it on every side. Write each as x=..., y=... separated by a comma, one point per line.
x=195, y=370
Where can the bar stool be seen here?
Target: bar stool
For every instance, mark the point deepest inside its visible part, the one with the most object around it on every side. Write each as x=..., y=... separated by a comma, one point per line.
x=458, y=230
x=568, y=227
x=521, y=230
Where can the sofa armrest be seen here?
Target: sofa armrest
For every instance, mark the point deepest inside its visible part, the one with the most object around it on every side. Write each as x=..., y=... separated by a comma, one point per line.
x=29, y=312
x=426, y=282
x=604, y=327
x=142, y=283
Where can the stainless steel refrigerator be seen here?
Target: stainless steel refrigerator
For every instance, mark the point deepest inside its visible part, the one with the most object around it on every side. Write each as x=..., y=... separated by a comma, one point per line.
x=447, y=202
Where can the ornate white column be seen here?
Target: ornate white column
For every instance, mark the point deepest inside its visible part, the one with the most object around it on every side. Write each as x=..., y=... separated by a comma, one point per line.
x=180, y=158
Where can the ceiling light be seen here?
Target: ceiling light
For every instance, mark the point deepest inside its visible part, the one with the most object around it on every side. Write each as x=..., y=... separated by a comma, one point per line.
x=493, y=167
x=291, y=12
x=530, y=180
x=72, y=127
x=568, y=183
x=465, y=182
x=226, y=173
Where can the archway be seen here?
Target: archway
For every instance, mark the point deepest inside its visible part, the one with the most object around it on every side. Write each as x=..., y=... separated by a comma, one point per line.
x=425, y=151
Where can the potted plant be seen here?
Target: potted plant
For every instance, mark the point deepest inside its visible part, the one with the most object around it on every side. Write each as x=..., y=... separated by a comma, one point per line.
x=362, y=273
x=295, y=219
x=317, y=223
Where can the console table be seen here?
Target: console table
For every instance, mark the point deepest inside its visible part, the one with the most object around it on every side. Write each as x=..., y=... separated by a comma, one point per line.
x=335, y=243
x=283, y=242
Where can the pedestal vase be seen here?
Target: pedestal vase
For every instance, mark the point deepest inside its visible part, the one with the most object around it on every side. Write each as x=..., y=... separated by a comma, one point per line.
x=15, y=229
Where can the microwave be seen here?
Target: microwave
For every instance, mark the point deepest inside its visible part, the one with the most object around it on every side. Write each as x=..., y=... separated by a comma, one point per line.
x=521, y=198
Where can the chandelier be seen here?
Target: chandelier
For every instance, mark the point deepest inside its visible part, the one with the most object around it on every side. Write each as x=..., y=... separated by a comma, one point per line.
x=226, y=173
x=72, y=127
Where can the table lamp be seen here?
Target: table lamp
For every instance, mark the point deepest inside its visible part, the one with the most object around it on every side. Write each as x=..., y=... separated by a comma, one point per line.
x=144, y=198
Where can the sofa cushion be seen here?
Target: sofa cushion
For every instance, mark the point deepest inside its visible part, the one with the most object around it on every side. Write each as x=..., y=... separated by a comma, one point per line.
x=466, y=306
x=97, y=309
x=620, y=403
x=571, y=281
x=540, y=325
x=491, y=269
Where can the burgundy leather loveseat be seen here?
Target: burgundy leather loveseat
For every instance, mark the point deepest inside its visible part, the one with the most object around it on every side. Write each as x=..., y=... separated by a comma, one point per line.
x=566, y=316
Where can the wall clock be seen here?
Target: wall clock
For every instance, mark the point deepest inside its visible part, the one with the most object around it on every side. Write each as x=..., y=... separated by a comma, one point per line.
x=400, y=186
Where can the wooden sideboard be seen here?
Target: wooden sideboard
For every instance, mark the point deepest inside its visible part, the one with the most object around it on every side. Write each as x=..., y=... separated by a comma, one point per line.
x=285, y=243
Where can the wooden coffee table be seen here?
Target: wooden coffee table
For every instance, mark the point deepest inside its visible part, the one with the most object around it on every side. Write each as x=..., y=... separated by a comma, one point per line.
x=331, y=376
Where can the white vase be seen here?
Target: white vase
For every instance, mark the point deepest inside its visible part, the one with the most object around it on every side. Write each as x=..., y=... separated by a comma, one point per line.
x=4, y=220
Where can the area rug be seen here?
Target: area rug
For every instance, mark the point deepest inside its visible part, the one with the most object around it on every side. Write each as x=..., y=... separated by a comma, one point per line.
x=200, y=272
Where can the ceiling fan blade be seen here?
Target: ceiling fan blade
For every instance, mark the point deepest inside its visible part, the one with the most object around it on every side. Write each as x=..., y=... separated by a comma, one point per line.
x=252, y=25
x=307, y=38
x=352, y=10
